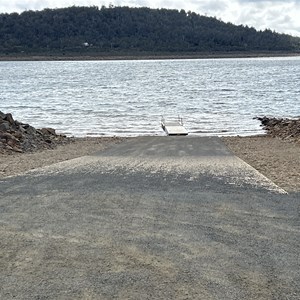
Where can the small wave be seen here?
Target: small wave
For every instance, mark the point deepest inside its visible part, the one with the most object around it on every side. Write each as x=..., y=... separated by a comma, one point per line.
x=228, y=90
x=109, y=107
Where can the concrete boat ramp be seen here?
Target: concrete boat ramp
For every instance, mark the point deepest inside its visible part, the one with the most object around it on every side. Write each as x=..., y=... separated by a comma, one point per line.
x=150, y=218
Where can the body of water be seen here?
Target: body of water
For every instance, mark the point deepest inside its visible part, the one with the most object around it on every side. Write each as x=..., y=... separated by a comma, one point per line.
x=128, y=98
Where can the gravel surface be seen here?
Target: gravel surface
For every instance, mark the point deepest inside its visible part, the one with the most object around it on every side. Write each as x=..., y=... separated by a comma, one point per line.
x=18, y=163
x=277, y=159
x=150, y=218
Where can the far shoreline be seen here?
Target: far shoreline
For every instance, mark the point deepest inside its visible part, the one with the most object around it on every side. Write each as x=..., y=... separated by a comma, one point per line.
x=145, y=56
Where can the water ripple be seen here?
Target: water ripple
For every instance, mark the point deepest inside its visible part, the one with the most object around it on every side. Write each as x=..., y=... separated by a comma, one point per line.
x=215, y=97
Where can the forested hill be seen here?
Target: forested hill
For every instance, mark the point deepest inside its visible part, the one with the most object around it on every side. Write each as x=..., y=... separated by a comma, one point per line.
x=122, y=29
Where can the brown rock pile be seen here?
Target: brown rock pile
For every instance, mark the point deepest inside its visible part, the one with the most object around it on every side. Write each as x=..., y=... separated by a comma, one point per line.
x=19, y=137
x=282, y=128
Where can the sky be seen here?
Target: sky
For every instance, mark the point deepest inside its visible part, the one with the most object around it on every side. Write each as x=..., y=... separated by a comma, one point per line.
x=282, y=16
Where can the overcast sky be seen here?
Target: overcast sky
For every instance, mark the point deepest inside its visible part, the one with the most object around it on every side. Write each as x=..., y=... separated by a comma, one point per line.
x=280, y=15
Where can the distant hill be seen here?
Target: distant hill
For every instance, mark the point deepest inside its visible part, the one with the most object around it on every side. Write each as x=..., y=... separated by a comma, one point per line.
x=84, y=30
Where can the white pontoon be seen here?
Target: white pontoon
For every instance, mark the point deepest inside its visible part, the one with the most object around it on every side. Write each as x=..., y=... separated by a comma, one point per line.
x=173, y=126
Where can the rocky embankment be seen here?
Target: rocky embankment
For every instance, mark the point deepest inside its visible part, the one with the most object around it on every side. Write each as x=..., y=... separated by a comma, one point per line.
x=287, y=129
x=19, y=137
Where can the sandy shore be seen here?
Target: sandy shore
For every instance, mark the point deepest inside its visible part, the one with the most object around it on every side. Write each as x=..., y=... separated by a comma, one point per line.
x=277, y=159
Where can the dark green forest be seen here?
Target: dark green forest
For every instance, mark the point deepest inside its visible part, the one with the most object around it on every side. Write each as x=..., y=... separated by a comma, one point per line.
x=84, y=30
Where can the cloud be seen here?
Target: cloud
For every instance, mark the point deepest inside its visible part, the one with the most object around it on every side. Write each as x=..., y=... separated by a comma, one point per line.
x=268, y=1
x=215, y=5
x=281, y=16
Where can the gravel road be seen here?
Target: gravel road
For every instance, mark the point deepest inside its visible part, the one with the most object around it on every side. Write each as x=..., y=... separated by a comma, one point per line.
x=150, y=218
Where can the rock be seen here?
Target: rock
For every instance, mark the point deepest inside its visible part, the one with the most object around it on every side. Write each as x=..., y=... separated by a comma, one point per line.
x=12, y=143
x=7, y=136
x=25, y=126
x=30, y=130
x=9, y=148
x=18, y=134
x=52, y=131
x=2, y=115
x=21, y=129
x=9, y=118
x=15, y=149
x=288, y=129
x=48, y=131
x=19, y=137
x=4, y=126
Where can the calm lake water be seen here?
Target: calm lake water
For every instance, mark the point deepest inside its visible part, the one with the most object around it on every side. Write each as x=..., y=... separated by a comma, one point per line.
x=214, y=96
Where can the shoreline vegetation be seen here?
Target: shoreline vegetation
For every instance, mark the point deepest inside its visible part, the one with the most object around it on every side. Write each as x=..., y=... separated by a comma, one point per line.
x=131, y=33
x=143, y=56
x=275, y=154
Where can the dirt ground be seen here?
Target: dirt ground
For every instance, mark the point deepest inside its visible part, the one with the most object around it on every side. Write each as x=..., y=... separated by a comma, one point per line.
x=18, y=163
x=277, y=159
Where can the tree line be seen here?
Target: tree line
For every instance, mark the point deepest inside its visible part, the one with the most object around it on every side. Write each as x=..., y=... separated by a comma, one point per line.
x=123, y=29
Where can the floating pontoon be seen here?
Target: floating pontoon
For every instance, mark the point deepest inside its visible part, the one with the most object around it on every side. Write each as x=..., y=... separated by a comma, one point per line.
x=173, y=127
